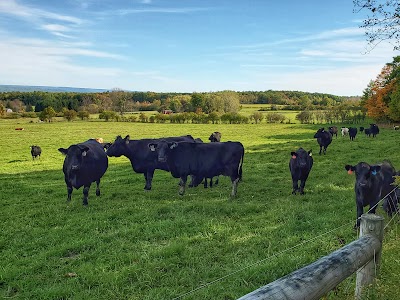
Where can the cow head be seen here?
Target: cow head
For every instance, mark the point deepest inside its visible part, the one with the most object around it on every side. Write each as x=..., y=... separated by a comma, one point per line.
x=74, y=156
x=364, y=172
x=215, y=137
x=301, y=157
x=162, y=148
x=319, y=133
x=119, y=146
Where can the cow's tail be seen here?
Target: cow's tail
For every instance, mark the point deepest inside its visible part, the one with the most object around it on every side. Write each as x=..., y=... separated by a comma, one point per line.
x=240, y=171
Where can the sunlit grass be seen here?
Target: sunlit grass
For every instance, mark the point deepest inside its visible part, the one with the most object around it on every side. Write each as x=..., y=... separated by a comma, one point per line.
x=131, y=244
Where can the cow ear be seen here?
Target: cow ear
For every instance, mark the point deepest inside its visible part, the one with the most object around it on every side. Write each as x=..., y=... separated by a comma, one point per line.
x=63, y=150
x=294, y=155
x=173, y=145
x=152, y=147
x=349, y=169
x=375, y=169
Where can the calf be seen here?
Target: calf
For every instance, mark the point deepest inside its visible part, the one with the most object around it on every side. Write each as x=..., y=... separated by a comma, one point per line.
x=201, y=160
x=373, y=182
x=352, y=133
x=300, y=166
x=333, y=130
x=345, y=131
x=84, y=163
x=367, y=132
x=324, y=138
x=36, y=151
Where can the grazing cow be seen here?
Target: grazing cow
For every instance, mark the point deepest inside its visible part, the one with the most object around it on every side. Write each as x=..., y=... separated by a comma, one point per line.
x=361, y=129
x=300, y=166
x=374, y=129
x=201, y=160
x=345, y=131
x=36, y=151
x=373, y=182
x=142, y=159
x=84, y=164
x=333, y=130
x=367, y=132
x=352, y=133
x=396, y=127
x=324, y=138
x=19, y=128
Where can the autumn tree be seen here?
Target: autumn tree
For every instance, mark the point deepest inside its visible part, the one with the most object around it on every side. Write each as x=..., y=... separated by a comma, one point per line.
x=47, y=114
x=70, y=114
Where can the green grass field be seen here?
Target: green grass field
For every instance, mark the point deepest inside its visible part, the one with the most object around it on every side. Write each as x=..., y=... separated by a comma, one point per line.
x=132, y=244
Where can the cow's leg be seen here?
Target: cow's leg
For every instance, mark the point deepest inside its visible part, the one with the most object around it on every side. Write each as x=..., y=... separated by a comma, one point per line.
x=217, y=180
x=325, y=150
x=320, y=150
x=86, y=194
x=295, y=186
x=69, y=192
x=302, y=185
x=234, y=186
x=182, y=185
x=98, y=187
x=149, y=178
x=360, y=211
x=205, y=182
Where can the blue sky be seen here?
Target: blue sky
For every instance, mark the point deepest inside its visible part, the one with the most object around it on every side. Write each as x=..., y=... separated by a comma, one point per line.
x=188, y=45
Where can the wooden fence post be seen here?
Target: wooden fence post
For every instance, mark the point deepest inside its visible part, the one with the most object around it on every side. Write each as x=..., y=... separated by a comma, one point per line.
x=370, y=224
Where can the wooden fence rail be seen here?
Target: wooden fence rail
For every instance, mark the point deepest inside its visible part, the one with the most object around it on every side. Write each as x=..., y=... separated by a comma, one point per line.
x=318, y=278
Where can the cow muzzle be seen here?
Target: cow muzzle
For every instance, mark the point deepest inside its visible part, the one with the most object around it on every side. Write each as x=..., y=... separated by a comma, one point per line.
x=162, y=159
x=74, y=167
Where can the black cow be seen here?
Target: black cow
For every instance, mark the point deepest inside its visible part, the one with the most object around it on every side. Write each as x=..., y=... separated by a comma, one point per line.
x=36, y=151
x=201, y=160
x=361, y=128
x=374, y=129
x=84, y=163
x=300, y=166
x=324, y=138
x=367, y=132
x=142, y=159
x=373, y=182
x=352, y=133
x=333, y=130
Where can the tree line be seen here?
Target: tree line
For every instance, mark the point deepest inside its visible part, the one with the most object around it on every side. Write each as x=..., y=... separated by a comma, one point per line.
x=123, y=101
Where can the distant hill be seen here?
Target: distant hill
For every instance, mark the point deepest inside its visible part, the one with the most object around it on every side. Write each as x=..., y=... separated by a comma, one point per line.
x=31, y=88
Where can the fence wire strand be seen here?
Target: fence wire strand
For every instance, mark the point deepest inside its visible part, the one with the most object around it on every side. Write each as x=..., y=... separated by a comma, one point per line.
x=287, y=249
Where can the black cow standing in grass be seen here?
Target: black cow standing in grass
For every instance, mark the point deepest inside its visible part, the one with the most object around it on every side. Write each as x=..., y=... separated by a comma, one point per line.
x=36, y=151
x=324, y=138
x=300, y=166
x=373, y=182
x=142, y=159
x=374, y=129
x=352, y=133
x=201, y=160
x=84, y=163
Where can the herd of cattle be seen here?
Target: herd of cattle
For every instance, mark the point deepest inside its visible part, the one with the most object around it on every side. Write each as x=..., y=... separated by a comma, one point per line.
x=373, y=182
x=182, y=156
x=185, y=156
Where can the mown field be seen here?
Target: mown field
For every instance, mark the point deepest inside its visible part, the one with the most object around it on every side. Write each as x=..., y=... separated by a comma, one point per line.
x=131, y=244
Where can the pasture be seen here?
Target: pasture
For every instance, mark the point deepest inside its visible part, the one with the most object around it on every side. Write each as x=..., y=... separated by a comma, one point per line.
x=132, y=244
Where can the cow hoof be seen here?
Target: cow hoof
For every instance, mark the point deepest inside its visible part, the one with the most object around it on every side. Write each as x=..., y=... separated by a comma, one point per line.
x=97, y=193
